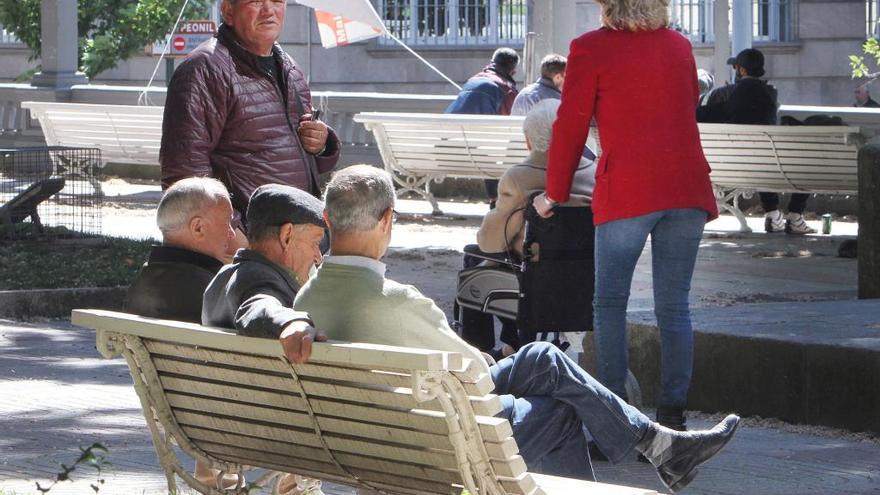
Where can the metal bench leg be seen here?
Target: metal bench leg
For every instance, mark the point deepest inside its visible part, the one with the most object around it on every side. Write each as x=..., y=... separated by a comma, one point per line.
x=420, y=186
x=729, y=201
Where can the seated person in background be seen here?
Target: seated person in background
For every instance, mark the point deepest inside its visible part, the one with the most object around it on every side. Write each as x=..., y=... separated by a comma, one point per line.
x=254, y=295
x=503, y=226
x=546, y=396
x=863, y=97
x=194, y=217
x=549, y=86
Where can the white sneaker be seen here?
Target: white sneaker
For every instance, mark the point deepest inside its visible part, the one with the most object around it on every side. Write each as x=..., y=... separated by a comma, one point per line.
x=774, y=221
x=796, y=225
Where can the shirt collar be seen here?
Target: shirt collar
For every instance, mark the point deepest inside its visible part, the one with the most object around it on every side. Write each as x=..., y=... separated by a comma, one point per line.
x=358, y=261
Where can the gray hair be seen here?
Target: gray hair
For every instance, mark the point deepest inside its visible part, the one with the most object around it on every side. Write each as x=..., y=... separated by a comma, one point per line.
x=538, y=125
x=186, y=199
x=356, y=197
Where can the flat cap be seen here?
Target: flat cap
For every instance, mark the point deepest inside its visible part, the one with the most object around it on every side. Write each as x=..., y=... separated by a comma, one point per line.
x=276, y=204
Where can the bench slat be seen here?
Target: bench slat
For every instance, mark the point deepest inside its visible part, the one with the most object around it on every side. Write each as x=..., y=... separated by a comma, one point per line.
x=319, y=455
x=504, y=456
x=492, y=428
x=400, y=396
x=481, y=386
x=353, y=355
x=423, y=485
x=436, y=440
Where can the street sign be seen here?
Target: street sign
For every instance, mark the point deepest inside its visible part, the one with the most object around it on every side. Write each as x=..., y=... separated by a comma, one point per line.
x=189, y=35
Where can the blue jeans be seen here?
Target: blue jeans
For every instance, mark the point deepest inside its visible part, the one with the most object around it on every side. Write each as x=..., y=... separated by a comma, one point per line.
x=675, y=238
x=550, y=401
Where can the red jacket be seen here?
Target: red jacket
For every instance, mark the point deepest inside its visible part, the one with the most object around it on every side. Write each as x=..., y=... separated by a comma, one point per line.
x=642, y=89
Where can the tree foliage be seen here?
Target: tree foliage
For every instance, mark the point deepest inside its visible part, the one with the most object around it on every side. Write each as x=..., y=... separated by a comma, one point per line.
x=110, y=31
x=871, y=49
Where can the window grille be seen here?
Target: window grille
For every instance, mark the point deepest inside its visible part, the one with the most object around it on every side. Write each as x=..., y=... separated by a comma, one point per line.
x=455, y=22
x=771, y=19
x=7, y=38
x=871, y=30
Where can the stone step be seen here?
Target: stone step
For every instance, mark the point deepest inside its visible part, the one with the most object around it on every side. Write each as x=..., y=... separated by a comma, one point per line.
x=812, y=363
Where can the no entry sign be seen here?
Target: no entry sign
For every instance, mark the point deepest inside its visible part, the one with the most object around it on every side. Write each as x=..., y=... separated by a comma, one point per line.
x=189, y=35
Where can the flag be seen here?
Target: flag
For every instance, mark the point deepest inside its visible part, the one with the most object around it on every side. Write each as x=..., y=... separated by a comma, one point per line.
x=342, y=22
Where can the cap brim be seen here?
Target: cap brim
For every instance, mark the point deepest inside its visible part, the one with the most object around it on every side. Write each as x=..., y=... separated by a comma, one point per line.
x=731, y=61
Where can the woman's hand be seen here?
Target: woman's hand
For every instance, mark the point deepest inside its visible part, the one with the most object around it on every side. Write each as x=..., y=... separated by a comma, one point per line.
x=544, y=205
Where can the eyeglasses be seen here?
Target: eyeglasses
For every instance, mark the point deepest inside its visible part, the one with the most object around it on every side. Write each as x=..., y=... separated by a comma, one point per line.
x=394, y=216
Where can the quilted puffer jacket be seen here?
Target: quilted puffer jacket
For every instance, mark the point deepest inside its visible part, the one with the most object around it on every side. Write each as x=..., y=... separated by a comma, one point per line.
x=227, y=119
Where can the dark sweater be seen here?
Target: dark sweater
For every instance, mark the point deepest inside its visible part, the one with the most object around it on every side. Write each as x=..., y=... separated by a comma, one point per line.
x=752, y=101
x=171, y=283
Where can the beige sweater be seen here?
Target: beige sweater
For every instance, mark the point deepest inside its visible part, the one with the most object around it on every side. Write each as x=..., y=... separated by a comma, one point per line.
x=358, y=304
x=513, y=193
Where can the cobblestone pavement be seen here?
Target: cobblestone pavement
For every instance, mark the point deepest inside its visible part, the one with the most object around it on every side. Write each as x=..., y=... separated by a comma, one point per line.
x=58, y=394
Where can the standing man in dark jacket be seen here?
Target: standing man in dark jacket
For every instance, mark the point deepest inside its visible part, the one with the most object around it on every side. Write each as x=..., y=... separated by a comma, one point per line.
x=239, y=109
x=490, y=92
x=753, y=101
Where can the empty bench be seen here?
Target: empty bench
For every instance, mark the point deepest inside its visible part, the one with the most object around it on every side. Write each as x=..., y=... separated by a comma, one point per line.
x=383, y=419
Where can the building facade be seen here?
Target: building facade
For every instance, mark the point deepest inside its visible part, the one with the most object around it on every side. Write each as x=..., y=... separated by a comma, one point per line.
x=806, y=43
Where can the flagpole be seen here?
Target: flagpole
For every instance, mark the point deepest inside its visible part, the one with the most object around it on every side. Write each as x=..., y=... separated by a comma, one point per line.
x=401, y=43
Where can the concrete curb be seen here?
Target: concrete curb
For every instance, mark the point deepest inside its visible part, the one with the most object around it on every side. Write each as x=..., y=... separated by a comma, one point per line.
x=814, y=363
x=54, y=303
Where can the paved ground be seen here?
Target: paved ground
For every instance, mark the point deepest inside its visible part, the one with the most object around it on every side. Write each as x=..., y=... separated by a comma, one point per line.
x=59, y=394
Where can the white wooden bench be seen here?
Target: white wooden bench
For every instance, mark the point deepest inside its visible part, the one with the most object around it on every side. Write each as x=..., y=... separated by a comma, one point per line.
x=124, y=133
x=808, y=159
x=384, y=419
x=420, y=148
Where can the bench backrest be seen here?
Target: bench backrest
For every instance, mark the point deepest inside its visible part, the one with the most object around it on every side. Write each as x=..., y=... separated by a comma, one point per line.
x=390, y=418
x=774, y=158
x=447, y=145
x=124, y=133
x=819, y=159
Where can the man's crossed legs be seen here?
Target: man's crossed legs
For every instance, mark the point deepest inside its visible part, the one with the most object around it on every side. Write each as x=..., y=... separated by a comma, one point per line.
x=550, y=400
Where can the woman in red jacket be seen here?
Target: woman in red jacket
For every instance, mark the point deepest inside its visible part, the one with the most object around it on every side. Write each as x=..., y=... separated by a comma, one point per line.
x=638, y=79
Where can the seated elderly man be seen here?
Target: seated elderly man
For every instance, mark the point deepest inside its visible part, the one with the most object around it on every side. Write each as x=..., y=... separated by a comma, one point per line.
x=254, y=295
x=547, y=397
x=194, y=217
x=503, y=226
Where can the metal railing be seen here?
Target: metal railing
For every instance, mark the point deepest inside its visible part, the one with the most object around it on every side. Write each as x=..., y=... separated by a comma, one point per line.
x=8, y=39
x=871, y=16
x=772, y=20
x=455, y=22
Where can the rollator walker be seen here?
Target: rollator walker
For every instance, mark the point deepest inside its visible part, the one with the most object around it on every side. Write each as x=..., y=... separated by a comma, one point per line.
x=547, y=292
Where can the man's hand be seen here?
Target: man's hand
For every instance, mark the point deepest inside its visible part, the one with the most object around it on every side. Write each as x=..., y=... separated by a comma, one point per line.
x=543, y=205
x=296, y=341
x=313, y=134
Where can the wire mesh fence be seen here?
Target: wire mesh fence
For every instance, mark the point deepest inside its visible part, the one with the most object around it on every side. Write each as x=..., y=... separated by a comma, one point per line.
x=50, y=192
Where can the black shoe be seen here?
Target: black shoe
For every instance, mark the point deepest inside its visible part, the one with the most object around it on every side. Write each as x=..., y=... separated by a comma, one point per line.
x=677, y=463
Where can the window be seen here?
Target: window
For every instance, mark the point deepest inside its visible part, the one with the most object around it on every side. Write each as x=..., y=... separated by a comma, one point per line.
x=7, y=38
x=771, y=19
x=455, y=22
x=694, y=19
x=871, y=19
